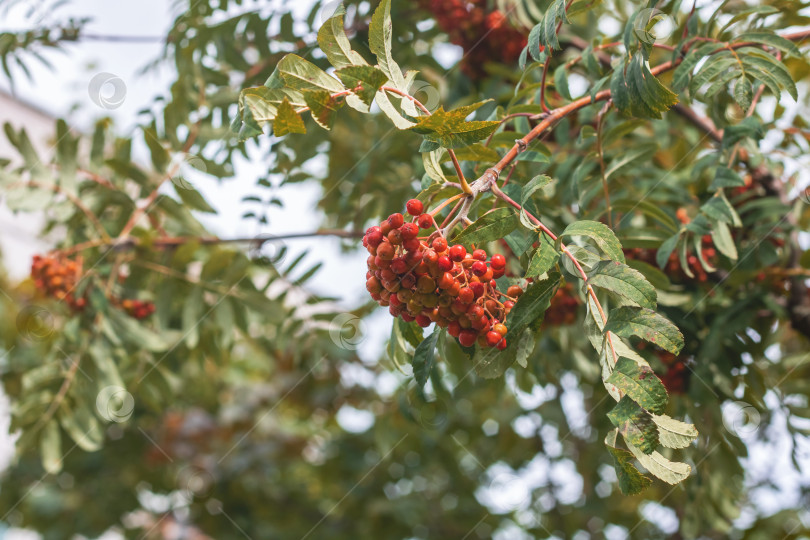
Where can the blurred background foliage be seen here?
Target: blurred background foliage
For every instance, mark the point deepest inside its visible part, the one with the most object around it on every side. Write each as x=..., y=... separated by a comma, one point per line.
x=253, y=415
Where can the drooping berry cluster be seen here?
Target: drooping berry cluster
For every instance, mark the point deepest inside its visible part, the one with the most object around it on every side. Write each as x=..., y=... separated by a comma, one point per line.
x=485, y=35
x=57, y=277
x=673, y=267
x=563, y=308
x=424, y=279
x=139, y=309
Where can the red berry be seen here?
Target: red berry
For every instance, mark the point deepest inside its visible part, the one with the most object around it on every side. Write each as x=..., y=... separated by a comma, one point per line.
x=498, y=261
x=423, y=321
x=412, y=245
x=467, y=337
x=374, y=237
x=407, y=317
x=399, y=266
x=454, y=329
x=499, y=328
x=493, y=338
x=409, y=231
x=501, y=344
x=439, y=244
x=386, y=252
x=479, y=268
x=445, y=264
x=466, y=295
x=425, y=221
x=396, y=220
x=430, y=257
x=477, y=288
x=446, y=281
x=479, y=255
x=457, y=253
x=414, y=207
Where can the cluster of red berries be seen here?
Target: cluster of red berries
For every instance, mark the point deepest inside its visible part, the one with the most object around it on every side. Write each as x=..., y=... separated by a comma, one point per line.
x=673, y=267
x=676, y=379
x=57, y=277
x=563, y=308
x=485, y=36
x=139, y=309
x=424, y=279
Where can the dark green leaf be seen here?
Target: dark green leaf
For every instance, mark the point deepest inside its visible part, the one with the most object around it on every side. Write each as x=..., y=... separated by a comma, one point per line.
x=629, y=321
x=635, y=424
x=287, y=120
x=640, y=383
x=425, y=357
x=491, y=226
x=601, y=234
x=623, y=280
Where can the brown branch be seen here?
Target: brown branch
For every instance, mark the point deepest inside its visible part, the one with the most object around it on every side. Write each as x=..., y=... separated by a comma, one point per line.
x=501, y=195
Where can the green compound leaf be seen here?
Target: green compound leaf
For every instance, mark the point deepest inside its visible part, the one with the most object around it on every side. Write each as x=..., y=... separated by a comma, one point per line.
x=726, y=178
x=631, y=481
x=543, y=259
x=629, y=321
x=368, y=78
x=322, y=106
x=287, y=120
x=301, y=74
x=334, y=43
x=623, y=280
x=451, y=129
x=601, y=234
x=671, y=472
x=491, y=226
x=674, y=433
x=640, y=383
x=636, y=91
x=425, y=357
x=635, y=424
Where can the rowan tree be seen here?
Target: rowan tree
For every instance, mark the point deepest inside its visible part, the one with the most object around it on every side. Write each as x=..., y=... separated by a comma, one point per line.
x=587, y=228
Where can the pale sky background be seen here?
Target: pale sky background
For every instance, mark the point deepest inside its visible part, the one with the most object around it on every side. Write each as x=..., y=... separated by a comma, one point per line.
x=64, y=92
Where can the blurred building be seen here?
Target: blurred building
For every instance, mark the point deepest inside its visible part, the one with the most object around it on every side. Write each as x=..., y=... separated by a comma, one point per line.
x=19, y=233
